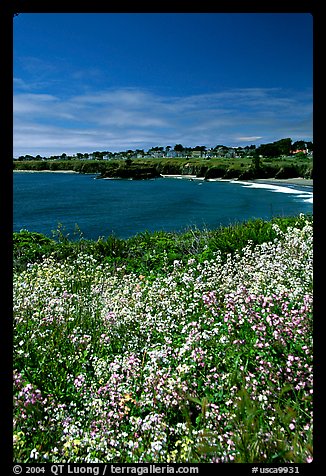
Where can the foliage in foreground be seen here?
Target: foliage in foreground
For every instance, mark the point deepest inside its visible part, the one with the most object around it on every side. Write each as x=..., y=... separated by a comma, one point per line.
x=147, y=252
x=209, y=362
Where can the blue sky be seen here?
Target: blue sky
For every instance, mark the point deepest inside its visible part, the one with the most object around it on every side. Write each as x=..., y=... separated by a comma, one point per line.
x=117, y=81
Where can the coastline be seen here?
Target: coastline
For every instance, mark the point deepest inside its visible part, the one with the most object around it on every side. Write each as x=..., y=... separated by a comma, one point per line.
x=293, y=181
x=289, y=181
x=47, y=171
x=182, y=176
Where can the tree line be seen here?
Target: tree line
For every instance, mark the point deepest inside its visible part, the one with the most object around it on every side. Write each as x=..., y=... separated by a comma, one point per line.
x=282, y=147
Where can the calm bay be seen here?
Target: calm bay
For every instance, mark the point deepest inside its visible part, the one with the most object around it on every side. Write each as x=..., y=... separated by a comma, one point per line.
x=127, y=207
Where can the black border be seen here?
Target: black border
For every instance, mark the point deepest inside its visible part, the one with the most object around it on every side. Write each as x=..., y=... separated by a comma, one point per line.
x=8, y=10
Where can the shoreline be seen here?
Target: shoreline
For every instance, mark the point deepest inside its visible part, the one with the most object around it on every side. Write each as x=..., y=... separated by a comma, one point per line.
x=47, y=171
x=288, y=181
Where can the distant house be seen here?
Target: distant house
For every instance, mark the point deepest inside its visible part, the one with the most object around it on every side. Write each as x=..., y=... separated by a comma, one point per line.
x=171, y=154
x=223, y=151
x=157, y=154
x=210, y=153
x=230, y=153
x=196, y=153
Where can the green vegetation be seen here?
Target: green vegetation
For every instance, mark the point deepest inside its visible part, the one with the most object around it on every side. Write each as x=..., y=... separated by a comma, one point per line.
x=219, y=167
x=279, y=159
x=146, y=252
x=165, y=348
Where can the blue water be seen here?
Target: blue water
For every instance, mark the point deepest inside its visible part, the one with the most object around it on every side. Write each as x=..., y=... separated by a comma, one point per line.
x=127, y=207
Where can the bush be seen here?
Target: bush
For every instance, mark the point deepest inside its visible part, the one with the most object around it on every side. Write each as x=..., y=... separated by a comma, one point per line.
x=29, y=247
x=215, y=172
x=147, y=252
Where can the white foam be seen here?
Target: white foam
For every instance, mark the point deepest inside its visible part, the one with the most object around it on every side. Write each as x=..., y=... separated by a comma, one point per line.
x=309, y=200
x=306, y=196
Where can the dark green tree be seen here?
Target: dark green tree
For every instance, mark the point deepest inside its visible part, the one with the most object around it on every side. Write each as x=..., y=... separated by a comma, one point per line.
x=178, y=147
x=284, y=146
x=268, y=150
x=275, y=149
x=299, y=145
x=310, y=145
x=256, y=163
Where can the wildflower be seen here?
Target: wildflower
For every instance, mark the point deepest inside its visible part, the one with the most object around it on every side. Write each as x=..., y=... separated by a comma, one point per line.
x=168, y=339
x=262, y=398
x=79, y=381
x=34, y=454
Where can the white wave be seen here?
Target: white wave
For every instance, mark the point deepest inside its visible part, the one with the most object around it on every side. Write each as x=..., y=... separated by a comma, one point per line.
x=306, y=196
x=309, y=200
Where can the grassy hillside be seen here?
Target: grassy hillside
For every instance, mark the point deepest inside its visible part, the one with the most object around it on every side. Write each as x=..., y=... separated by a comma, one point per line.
x=246, y=168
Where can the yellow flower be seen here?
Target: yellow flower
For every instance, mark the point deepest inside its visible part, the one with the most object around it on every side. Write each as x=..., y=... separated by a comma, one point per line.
x=126, y=398
x=18, y=439
x=74, y=444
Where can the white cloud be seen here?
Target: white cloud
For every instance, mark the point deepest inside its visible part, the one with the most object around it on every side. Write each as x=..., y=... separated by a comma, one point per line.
x=248, y=138
x=28, y=104
x=131, y=118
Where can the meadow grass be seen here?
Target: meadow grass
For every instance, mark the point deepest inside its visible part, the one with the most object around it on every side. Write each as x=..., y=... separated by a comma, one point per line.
x=206, y=359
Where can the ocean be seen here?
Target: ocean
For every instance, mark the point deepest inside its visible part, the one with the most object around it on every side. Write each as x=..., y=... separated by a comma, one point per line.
x=99, y=207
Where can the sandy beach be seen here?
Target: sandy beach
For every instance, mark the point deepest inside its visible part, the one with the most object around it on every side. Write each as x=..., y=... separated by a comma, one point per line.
x=293, y=181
